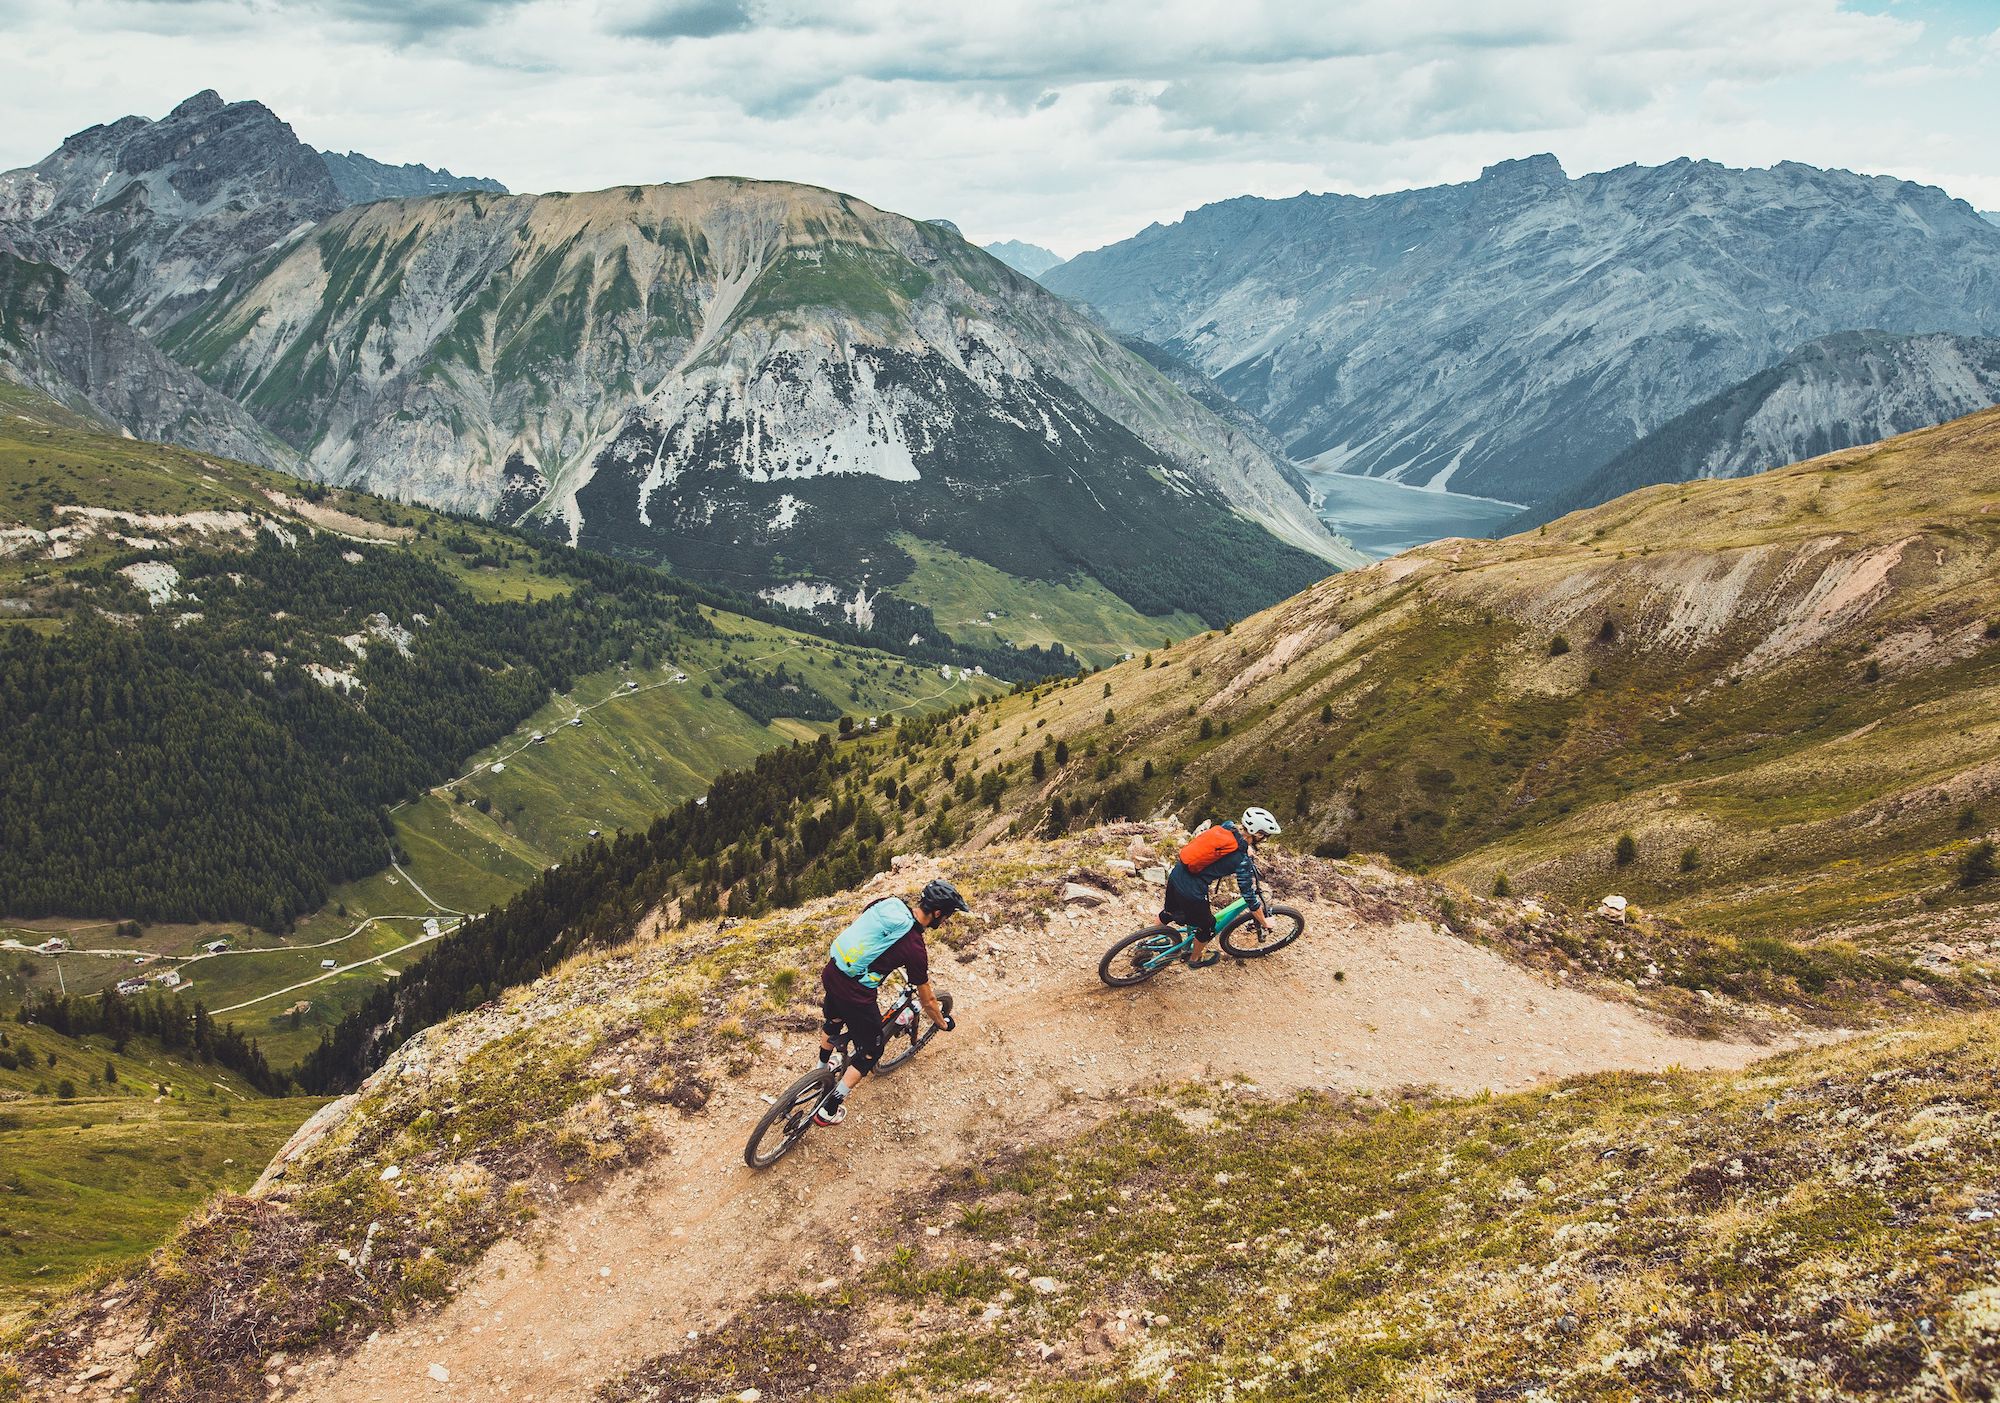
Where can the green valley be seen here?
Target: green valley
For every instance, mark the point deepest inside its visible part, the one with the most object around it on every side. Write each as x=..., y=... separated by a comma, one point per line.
x=102, y=520
x=106, y=1143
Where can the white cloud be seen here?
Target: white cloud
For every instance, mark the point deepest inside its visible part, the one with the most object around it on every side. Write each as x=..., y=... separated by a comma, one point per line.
x=1067, y=124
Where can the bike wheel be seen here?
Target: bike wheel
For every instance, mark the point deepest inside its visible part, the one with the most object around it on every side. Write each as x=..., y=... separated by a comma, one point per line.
x=1245, y=941
x=902, y=1043
x=786, y=1122
x=1138, y=957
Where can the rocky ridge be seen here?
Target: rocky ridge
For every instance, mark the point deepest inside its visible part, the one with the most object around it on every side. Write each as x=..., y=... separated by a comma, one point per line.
x=151, y=216
x=56, y=338
x=1837, y=392
x=1510, y=335
x=610, y=1099
x=361, y=179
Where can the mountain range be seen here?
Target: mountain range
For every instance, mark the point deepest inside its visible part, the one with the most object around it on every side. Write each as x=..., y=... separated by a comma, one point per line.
x=360, y=179
x=152, y=215
x=1032, y=259
x=1852, y=388
x=1511, y=335
x=773, y=386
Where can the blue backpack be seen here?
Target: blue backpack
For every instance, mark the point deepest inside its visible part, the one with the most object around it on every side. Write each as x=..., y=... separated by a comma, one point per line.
x=881, y=924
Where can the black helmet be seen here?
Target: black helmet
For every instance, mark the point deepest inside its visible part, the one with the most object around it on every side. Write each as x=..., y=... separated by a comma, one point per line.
x=940, y=895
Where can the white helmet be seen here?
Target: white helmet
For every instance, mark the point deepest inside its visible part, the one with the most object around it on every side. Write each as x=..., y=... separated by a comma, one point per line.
x=1261, y=821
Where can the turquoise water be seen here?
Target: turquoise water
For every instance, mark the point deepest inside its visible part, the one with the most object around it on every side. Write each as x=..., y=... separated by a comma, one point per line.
x=1382, y=518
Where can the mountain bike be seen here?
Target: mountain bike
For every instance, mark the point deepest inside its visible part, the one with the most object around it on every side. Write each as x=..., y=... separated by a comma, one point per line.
x=791, y=1115
x=1143, y=954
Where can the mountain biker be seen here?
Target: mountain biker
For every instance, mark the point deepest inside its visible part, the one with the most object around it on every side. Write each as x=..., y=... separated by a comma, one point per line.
x=885, y=937
x=1217, y=851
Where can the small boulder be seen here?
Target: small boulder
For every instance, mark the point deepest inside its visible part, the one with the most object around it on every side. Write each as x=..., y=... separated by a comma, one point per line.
x=1077, y=894
x=1044, y=1285
x=439, y=1374
x=391, y=1173
x=1124, y=867
x=1155, y=874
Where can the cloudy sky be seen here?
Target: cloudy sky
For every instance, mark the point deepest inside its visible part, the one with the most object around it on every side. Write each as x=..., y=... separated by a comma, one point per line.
x=1068, y=124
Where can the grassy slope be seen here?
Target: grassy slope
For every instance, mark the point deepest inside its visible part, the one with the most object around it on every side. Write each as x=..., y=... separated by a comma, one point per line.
x=51, y=457
x=96, y=1181
x=1083, y=616
x=1815, y=798
x=635, y=755
x=1818, y=1226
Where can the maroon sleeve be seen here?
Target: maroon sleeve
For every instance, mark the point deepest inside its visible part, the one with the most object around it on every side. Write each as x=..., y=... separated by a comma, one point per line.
x=915, y=957
x=908, y=954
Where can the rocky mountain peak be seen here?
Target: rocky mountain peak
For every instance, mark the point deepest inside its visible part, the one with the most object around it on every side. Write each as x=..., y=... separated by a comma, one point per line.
x=151, y=214
x=1543, y=169
x=1032, y=259
x=205, y=103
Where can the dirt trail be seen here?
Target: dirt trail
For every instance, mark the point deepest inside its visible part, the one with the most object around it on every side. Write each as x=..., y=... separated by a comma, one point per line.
x=1043, y=1048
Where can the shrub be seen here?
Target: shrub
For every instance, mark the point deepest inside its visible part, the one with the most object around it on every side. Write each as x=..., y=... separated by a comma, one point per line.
x=65, y=1090
x=110, y=1072
x=1977, y=868
x=1207, y=730
x=1607, y=632
x=1968, y=818
x=1690, y=859
x=1326, y=713
x=1873, y=672
x=1558, y=646
x=1625, y=850
x=1332, y=847
x=1501, y=886
x=1062, y=752
x=1058, y=822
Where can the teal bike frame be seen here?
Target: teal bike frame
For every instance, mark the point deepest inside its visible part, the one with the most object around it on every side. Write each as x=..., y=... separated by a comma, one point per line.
x=1161, y=955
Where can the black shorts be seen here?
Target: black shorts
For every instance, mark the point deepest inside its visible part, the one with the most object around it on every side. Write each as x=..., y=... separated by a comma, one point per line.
x=1191, y=911
x=843, y=1012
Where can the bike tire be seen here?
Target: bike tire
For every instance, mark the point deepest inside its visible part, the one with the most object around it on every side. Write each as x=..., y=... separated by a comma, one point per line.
x=790, y=1117
x=903, y=1043
x=1287, y=925
x=1124, y=964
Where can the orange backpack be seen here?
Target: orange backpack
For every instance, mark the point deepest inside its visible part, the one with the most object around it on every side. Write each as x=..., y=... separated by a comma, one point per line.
x=1207, y=848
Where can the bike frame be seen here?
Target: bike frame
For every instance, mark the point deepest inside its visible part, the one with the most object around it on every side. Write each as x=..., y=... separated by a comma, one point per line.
x=1222, y=918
